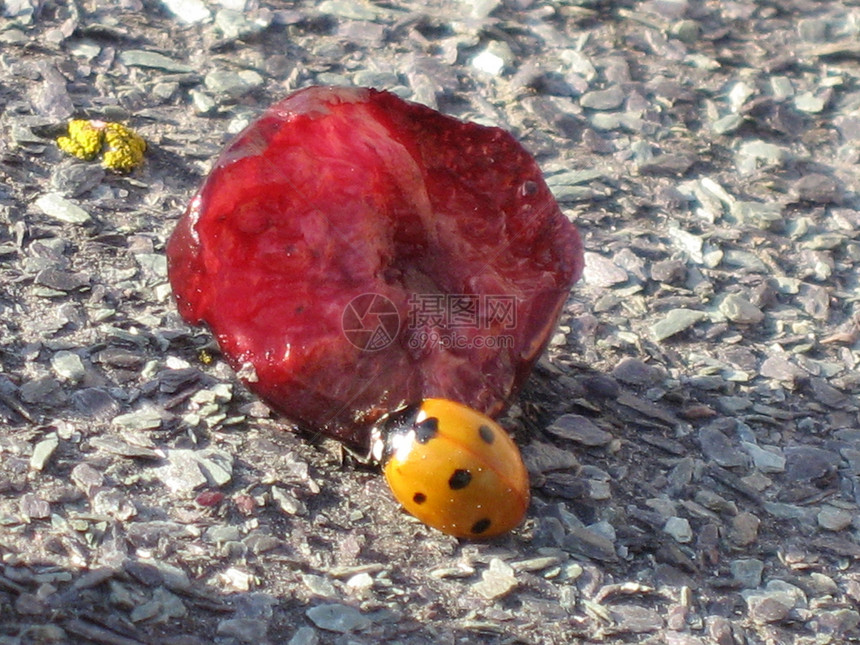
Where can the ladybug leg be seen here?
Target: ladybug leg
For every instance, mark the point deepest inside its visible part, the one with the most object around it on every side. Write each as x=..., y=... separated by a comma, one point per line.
x=364, y=457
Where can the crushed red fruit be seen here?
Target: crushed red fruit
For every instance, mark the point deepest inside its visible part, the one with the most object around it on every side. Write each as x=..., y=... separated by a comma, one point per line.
x=353, y=252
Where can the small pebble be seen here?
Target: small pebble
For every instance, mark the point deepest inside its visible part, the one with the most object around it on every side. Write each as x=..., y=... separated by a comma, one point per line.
x=676, y=321
x=43, y=451
x=679, y=528
x=68, y=365
x=497, y=580
x=835, y=519
x=304, y=636
x=33, y=507
x=718, y=447
x=56, y=206
x=580, y=430
x=188, y=11
x=339, y=618
x=767, y=461
x=747, y=571
x=740, y=310
x=608, y=99
x=602, y=272
x=154, y=60
x=818, y=189
x=744, y=529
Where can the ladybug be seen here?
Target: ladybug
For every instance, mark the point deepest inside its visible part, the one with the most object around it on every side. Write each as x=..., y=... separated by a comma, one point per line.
x=453, y=468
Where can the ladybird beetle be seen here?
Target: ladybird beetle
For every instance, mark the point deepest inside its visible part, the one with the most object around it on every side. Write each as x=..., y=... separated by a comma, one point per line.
x=453, y=468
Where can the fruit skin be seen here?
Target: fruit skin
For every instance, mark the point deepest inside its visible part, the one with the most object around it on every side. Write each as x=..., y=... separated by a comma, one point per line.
x=338, y=192
x=455, y=469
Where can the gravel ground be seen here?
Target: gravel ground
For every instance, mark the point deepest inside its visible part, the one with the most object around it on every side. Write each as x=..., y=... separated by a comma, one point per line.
x=692, y=432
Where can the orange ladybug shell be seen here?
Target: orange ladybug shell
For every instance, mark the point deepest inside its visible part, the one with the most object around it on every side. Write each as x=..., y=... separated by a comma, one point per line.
x=456, y=470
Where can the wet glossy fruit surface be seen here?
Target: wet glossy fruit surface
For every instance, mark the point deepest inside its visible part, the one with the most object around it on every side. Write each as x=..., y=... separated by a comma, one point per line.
x=353, y=253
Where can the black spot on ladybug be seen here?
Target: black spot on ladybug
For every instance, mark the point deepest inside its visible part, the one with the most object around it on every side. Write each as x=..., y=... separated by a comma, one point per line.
x=460, y=479
x=481, y=525
x=419, y=498
x=486, y=434
x=426, y=430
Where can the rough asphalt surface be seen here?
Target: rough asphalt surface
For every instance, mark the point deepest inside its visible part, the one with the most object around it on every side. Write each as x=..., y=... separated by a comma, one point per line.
x=692, y=432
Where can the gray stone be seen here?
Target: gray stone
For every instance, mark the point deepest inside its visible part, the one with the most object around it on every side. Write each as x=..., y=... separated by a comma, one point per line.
x=154, y=60
x=43, y=451
x=222, y=534
x=61, y=280
x=203, y=103
x=579, y=429
x=679, y=528
x=762, y=215
x=86, y=478
x=810, y=103
x=747, y=571
x=188, y=11
x=77, y=178
x=232, y=85
x=113, y=503
x=305, y=636
x=813, y=30
x=636, y=372
x=819, y=189
x=590, y=543
x=744, y=529
x=287, y=502
x=187, y=470
x=667, y=165
x=687, y=31
x=781, y=369
x=236, y=24
x=494, y=58
x=33, y=507
x=53, y=99
x=740, y=310
x=767, y=609
x=787, y=511
x=727, y=124
x=767, y=461
x=634, y=619
x=352, y=9
x=541, y=457
x=68, y=365
x=335, y=617
x=56, y=206
x=602, y=272
x=245, y=630
x=43, y=390
x=835, y=519
x=669, y=271
x=608, y=99
x=840, y=621
x=675, y=321
x=319, y=585
x=497, y=581
x=719, y=448
x=146, y=418
x=808, y=463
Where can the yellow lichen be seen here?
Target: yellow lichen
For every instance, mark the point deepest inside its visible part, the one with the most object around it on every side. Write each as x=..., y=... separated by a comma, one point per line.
x=121, y=147
x=125, y=148
x=85, y=140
